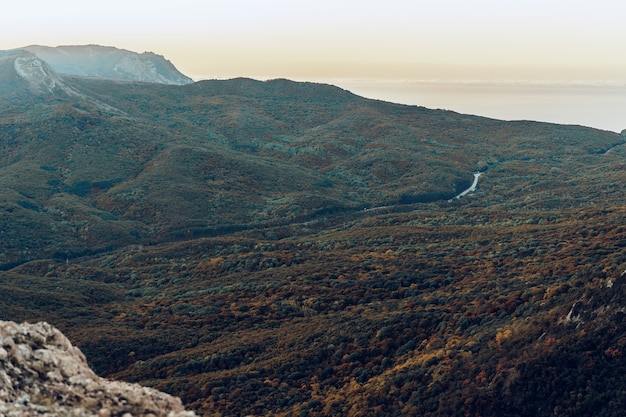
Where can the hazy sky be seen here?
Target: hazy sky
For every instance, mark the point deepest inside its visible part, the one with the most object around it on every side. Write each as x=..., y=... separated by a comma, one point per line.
x=402, y=39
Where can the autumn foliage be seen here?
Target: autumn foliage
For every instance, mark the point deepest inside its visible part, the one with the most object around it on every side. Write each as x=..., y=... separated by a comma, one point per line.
x=290, y=249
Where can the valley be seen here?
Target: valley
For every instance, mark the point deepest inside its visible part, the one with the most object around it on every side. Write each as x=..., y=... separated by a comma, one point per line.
x=280, y=248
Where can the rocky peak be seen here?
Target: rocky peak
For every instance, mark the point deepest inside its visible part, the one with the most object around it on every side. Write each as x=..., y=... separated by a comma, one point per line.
x=34, y=73
x=42, y=374
x=110, y=63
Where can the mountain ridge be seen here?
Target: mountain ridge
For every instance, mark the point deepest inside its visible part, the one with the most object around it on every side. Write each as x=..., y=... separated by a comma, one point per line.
x=109, y=62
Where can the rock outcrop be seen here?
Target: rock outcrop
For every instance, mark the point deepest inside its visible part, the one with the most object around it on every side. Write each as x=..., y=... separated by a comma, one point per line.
x=43, y=375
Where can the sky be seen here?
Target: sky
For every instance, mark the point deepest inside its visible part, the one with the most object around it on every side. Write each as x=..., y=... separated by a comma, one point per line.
x=480, y=41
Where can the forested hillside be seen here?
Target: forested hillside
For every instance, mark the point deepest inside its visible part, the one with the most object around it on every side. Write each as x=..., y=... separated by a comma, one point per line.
x=282, y=248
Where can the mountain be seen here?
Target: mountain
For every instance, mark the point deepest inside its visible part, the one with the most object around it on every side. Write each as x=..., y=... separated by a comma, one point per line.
x=23, y=72
x=283, y=248
x=29, y=83
x=108, y=62
x=113, y=164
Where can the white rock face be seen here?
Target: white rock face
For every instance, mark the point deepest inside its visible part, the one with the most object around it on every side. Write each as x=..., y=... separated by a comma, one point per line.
x=33, y=70
x=135, y=68
x=43, y=375
x=41, y=78
x=111, y=63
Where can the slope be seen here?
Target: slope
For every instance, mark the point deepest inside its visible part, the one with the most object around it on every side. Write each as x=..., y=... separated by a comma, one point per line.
x=232, y=264
x=120, y=163
x=459, y=311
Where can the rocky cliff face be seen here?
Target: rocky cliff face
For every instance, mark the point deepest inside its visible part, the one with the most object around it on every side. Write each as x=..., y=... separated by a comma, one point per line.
x=108, y=62
x=39, y=77
x=42, y=374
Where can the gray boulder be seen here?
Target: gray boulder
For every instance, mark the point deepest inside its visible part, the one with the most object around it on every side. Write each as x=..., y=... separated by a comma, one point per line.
x=43, y=375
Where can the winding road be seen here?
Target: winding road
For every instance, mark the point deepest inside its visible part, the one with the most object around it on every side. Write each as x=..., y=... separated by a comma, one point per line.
x=471, y=188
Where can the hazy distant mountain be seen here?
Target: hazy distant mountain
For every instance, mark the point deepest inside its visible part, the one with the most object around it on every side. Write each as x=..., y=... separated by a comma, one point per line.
x=109, y=62
x=28, y=82
x=21, y=70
